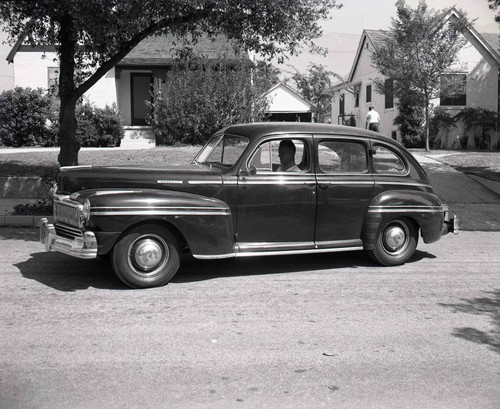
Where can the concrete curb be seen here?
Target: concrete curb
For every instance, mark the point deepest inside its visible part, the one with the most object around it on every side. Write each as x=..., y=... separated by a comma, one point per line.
x=23, y=221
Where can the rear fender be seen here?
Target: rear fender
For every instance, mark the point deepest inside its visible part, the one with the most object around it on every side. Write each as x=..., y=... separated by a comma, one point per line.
x=424, y=208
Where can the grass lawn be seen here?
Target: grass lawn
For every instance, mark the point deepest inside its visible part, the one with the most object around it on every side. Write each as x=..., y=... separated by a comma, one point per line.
x=28, y=163
x=479, y=163
x=19, y=163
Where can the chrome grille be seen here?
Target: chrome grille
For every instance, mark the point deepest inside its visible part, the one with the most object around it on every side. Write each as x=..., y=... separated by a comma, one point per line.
x=66, y=214
x=68, y=232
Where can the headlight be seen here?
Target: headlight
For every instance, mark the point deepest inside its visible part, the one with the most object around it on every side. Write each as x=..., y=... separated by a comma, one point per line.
x=86, y=210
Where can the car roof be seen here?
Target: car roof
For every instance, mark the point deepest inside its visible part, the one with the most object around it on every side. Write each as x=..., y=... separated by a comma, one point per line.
x=257, y=130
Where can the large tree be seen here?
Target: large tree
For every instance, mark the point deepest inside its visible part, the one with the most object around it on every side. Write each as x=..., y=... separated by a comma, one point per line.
x=92, y=36
x=494, y=4
x=420, y=48
x=316, y=86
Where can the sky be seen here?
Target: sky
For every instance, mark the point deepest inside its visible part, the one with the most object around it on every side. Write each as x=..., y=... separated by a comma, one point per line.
x=341, y=34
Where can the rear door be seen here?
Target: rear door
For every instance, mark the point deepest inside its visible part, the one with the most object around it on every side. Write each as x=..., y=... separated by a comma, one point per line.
x=345, y=189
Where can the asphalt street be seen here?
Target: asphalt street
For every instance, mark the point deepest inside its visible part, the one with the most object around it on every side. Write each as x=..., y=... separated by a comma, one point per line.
x=329, y=330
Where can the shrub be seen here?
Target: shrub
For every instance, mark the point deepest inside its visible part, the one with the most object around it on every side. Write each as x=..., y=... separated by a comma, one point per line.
x=195, y=102
x=478, y=124
x=410, y=121
x=24, y=113
x=440, y=123
x=98, y=126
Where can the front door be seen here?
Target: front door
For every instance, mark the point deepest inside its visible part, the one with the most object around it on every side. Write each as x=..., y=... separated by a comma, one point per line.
x=141, y=85
x=276, y=203
x=345, y=189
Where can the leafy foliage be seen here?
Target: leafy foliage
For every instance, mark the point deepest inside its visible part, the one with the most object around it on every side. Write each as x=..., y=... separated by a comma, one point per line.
x=410, y=119
x=417, y=52
x=94, y=35
x=479, y=122
x=23, y=116
x=195, y=103
x=98, y=126
x=441, y=121
x=494, y=5
x=317, y=87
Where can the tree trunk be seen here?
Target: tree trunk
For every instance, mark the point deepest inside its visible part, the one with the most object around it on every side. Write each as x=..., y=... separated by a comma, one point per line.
x=68, y=155
x=427, y=145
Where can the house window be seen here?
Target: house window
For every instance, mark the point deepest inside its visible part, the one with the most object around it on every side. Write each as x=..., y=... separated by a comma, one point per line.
x=389, y=93
x=394, y=135
x=342, y=104
x=453, y=89
x=52, y=78
x=357, y=90
x=369, y=93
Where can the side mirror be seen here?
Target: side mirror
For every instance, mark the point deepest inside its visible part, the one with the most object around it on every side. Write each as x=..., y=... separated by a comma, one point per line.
x=253, y=170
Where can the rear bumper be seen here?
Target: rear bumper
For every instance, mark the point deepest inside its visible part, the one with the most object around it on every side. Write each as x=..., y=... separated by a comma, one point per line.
x=84, y=246
x=450, y=222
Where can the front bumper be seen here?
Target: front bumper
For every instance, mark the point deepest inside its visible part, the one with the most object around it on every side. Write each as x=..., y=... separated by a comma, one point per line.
x=84, y=246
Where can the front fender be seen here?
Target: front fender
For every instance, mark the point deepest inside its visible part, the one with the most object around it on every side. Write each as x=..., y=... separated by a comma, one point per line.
x=204, y=223
x=424, y=208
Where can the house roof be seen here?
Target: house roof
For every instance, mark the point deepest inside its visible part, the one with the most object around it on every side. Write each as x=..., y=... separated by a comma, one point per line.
x=284, y=98
x=490, y=41
x=165, y=50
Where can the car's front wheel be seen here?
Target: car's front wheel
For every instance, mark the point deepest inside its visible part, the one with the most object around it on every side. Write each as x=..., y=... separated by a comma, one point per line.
x=395, y=243
x=147, y=256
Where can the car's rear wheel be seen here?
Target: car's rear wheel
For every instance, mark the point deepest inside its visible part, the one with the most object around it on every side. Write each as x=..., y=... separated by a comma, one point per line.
x=147, y=256
x=395, y=243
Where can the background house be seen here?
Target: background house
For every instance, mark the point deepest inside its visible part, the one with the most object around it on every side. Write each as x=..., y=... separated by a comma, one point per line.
x=130, y=82
x=478, y=68
x=287, y=105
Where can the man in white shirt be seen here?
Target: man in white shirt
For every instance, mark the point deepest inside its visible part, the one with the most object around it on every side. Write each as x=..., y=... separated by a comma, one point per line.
x=372, y=120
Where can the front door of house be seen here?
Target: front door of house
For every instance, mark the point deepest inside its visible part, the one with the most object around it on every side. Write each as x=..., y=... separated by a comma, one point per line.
x=140, y=86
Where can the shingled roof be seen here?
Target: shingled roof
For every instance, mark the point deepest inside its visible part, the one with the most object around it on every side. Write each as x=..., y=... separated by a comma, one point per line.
x=164, y=50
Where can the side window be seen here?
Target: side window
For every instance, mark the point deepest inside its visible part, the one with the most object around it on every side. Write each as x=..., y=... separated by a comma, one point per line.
x=342, y=157
x=280, y=155
x=386, y=161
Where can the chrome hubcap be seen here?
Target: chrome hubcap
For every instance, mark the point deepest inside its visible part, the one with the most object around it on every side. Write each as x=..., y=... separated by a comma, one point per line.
x=148, y=254
x=396, y=238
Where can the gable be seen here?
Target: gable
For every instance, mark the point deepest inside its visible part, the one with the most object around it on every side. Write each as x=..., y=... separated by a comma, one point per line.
x=282, y=98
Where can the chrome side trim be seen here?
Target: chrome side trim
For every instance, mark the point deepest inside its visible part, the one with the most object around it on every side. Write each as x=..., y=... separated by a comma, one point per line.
x=160, y=212
x=241, y=247
x=403, y=208
x=344, y=182
x=278, y=182
x=289, y=252
x=214, y=257
x=402, y=183
x=204, y=182
x=276, y=252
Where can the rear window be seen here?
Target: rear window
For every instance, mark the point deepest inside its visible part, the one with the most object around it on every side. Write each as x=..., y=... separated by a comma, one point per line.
x=387, y=161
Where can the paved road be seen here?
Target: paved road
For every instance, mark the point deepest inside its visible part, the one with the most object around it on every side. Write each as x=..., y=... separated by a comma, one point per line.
x=298, y=332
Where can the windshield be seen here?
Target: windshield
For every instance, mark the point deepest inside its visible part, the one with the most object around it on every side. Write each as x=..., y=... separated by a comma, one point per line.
x=222, y=150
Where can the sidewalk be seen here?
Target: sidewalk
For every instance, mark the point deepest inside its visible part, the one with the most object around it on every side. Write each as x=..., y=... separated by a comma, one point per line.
x=475, y=200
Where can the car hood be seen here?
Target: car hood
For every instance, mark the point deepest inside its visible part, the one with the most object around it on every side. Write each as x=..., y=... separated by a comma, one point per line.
x=199, y=179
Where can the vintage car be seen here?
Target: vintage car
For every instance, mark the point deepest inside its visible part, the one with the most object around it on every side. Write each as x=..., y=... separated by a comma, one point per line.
x=350, y=189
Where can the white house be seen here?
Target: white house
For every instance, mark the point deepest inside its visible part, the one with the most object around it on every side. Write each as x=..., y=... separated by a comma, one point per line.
x=287, y=105
x=129, y=83
x=478, y=68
